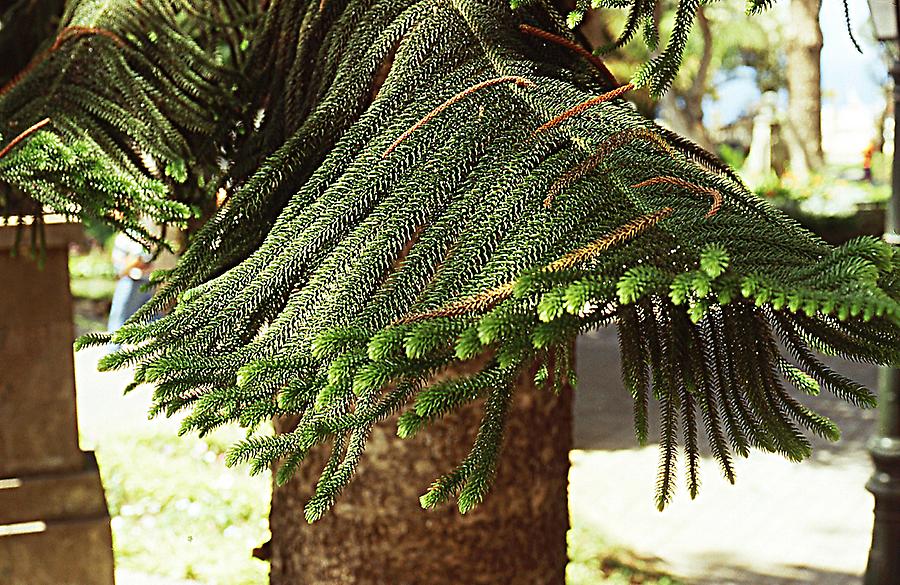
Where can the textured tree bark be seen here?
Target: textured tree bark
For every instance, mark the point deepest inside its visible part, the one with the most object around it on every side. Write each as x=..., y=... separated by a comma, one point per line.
x=804, y=117
x=378, y=534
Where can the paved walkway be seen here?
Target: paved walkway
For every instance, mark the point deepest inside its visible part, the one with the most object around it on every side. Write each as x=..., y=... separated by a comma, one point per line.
x=781, y=523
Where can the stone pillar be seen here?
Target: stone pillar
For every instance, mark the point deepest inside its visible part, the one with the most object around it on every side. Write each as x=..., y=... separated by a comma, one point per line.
x=758, y=165
x=54, y=524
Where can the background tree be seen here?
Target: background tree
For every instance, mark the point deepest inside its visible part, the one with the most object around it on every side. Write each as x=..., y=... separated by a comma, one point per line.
x=803, y=125
x=721, y=47
x=426, y=203
x=686, y=104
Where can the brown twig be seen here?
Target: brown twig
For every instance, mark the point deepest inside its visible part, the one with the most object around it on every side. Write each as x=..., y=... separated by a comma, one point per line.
x=73, y=32
x=593, y=59
x=68, y=33
x=520, y=81
x=714, y=193
x=488, y=299
x=28, y=131
x=574, y=111
x=619, y=235
x=481, y=302
x=609, y=145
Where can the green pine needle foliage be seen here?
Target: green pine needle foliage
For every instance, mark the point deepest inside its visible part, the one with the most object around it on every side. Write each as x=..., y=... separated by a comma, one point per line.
x=424, y=183
x=117, y=104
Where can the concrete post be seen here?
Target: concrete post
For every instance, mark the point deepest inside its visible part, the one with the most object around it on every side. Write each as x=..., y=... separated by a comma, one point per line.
x=54, y=524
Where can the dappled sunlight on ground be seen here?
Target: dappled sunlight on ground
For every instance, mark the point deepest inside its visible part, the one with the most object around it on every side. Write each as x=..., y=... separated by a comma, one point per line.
x=179, y=515
x=806, y=523
x=781, y=523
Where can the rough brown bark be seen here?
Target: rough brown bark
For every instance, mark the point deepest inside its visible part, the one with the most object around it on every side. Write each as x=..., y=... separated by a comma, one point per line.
x=804, y=117
x=378, y=534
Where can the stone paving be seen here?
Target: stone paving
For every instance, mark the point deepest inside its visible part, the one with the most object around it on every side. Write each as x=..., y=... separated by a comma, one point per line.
x=782, y=523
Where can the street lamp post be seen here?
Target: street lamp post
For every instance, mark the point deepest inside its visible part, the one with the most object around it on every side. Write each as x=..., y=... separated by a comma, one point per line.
x=884, y=556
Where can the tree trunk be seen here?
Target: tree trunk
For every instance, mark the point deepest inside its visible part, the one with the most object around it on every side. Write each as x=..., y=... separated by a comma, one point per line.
x=804, y=117
x=378, y=534
x=685, y=108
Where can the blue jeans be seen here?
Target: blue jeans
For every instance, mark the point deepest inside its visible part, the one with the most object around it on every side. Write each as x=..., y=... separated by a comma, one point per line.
x=127, y=299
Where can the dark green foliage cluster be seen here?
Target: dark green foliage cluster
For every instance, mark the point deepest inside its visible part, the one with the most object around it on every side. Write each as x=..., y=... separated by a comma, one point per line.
x=422, y=183
x=125, y=100
x=24, y=25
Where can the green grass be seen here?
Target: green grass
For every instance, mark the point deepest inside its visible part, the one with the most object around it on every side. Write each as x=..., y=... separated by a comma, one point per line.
x=95, y=289
x=92, y=275
x=178, y=511
x=88, y=323
x=593, y=560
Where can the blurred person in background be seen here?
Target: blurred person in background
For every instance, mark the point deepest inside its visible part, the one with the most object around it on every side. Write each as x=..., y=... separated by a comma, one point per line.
x=867, y=162
x=132, y=263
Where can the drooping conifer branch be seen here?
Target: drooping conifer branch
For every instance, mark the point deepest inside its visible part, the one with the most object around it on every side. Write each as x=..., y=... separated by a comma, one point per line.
x=338, y=280
x=75, y=31
x=592, y=162
x=519, y=81
x=141, y=106
x=66, y=34
x=23, y=135
x=490, y=298
x=371, y=273
x=619, y=235
x=479, y=303
x=591, y=58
